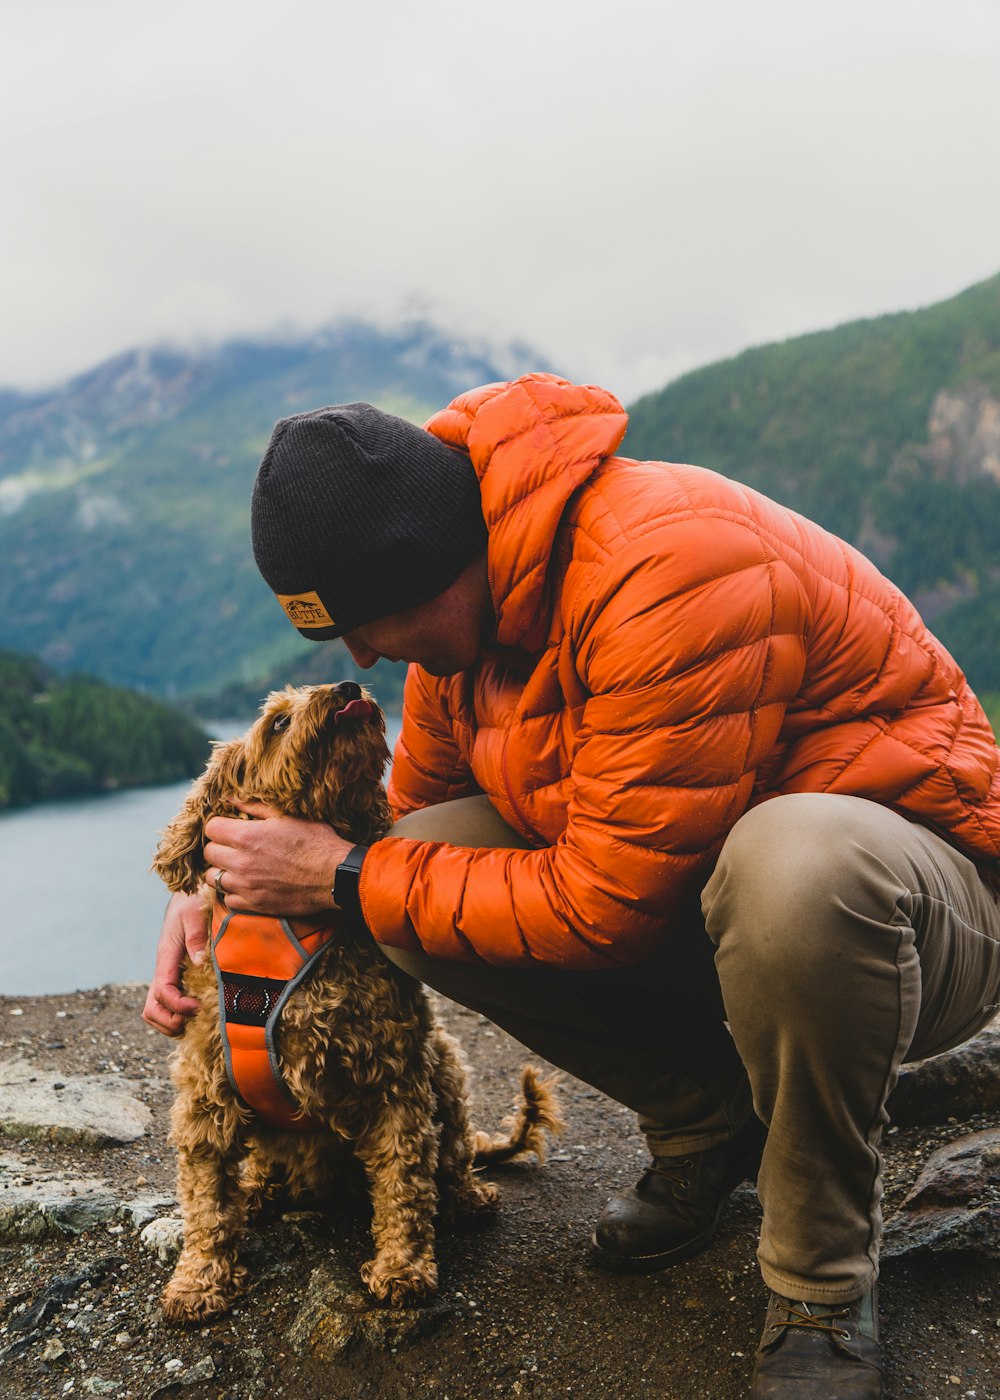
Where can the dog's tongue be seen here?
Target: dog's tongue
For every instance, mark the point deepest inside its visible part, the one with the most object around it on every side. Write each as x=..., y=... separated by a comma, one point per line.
x=354, y=709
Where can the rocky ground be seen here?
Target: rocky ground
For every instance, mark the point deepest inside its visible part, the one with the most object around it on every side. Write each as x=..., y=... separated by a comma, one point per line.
x=85, y=1172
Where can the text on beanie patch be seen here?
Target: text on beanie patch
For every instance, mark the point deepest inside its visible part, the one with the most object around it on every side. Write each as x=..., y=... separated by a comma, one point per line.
x=305, y=609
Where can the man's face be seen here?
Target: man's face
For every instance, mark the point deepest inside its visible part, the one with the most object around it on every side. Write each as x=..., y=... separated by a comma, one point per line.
x=443, y=635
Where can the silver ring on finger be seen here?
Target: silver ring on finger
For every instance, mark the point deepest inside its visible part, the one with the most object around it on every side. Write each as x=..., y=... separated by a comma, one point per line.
x=219, y=888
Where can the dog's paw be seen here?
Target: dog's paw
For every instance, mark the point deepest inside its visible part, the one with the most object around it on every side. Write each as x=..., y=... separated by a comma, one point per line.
x=399, y=1281
x=259, y=1197
x=203, y=1289
x=480, y=1196
x=471, y=1197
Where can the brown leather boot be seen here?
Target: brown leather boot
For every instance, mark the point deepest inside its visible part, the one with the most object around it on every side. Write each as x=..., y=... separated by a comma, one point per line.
x=819, y=1351
x=673, y=1210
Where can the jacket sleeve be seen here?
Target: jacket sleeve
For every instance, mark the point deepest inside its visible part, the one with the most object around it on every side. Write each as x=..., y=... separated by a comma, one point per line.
x=689, y=644
x=427, y=765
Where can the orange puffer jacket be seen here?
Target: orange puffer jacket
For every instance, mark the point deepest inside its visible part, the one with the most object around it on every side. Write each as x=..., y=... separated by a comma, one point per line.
x=672, y=649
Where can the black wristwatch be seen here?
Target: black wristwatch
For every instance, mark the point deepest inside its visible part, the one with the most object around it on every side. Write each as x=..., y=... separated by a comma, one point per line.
x=345, y=882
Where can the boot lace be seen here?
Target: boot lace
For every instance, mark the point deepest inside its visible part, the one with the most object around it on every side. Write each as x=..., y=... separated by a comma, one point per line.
x=815, y=1322
x=673, y=1169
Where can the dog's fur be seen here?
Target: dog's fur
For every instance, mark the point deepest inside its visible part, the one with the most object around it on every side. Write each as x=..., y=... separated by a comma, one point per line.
x=358, y=1044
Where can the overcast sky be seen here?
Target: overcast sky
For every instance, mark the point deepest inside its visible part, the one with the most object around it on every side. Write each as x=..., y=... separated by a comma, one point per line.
x=633, y=187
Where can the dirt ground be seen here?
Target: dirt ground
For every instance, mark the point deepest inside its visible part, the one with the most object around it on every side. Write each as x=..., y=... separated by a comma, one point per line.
x=522, y=1311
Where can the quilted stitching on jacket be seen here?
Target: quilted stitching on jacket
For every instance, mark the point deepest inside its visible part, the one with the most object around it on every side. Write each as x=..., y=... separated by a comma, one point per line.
x=672, y=648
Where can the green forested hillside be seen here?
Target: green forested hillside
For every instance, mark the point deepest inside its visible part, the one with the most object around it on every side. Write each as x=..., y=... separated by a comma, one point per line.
x=886, y=431
x=62, y=737
x=125, y=496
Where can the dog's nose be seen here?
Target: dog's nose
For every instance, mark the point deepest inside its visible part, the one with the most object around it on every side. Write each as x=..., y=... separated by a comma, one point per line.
x=350, y=690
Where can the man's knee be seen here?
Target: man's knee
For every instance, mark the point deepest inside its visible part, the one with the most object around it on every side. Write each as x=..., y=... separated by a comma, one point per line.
x=796, y=875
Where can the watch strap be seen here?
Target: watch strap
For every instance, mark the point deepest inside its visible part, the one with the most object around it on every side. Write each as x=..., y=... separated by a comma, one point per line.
x=345, y=881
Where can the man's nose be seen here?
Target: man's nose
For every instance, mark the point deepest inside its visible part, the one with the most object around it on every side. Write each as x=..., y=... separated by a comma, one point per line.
x=362, y=655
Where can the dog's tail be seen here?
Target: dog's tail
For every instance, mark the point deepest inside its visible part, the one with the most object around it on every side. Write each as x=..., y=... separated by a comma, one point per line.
x=536, y=1113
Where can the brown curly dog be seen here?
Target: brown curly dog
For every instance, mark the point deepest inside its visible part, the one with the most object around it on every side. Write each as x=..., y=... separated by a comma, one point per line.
x=357, y=1045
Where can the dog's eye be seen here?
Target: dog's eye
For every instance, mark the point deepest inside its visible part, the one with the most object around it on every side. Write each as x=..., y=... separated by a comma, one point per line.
x=280, y=722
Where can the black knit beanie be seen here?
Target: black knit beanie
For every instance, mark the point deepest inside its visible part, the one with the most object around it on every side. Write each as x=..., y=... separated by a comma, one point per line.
x=357, y=514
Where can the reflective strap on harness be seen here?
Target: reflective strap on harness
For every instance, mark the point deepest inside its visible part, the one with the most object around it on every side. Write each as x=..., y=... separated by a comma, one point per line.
x=259, y=961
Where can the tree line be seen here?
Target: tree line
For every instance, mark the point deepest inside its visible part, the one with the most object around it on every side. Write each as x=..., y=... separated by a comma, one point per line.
x=70, y=736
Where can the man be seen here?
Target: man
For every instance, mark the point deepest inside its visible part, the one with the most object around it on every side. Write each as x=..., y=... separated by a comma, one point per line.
x=671, y=757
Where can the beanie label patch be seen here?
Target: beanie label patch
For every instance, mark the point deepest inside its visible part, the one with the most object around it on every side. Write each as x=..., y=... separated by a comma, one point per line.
x=305, y=609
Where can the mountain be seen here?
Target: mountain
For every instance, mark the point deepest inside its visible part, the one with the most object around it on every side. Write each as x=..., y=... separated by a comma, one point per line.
x=124, y=495
x=887, y=431
x=61, y=737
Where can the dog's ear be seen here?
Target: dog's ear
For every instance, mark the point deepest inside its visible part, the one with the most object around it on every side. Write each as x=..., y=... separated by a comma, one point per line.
x=346, y=786
x=179, y=860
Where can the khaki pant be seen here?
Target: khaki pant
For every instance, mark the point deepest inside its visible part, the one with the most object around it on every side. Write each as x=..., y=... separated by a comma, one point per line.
x=837, y=939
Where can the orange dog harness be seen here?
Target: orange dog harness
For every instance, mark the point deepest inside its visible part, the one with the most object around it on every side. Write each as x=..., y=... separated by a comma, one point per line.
x=259, y=961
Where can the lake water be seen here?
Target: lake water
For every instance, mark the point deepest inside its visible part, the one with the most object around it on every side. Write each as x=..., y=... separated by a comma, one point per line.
x=80, y=905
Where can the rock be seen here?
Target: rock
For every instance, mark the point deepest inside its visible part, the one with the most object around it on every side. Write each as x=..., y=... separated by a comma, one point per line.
x=164, y=1238
x=14, y=1349
x=955, y=1201
x=202, y=1370
x=144, y=1209
x=337, y=1311
x=96, y=1109
x=97, y=1385
x=38, y=1204
x=963, y=433
x=58, y=1292
x=54, y=1350
x=959, y=1084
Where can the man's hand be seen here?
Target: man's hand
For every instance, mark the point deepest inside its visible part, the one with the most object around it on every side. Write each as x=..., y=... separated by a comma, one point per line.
x=274, y=865
x=185, y=930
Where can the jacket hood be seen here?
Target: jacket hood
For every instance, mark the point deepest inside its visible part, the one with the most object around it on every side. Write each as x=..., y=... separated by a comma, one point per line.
x=532, y=443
